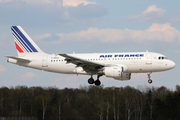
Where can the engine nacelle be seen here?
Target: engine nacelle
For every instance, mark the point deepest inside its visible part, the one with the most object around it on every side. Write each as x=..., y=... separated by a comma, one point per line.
x=117, y=72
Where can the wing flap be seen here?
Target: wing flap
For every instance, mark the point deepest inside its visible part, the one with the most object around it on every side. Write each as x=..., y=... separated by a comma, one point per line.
x=85, y=64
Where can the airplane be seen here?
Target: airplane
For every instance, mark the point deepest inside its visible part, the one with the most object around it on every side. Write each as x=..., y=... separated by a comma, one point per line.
x=118, y=65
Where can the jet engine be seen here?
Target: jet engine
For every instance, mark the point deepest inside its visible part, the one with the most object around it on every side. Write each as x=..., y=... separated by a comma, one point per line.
x=117, y=72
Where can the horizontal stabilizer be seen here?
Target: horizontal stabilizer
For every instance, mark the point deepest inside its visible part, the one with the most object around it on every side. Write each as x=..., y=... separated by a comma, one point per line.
x=19, y=59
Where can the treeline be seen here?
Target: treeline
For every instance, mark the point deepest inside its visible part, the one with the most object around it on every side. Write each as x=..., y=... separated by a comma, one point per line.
x=91, y=103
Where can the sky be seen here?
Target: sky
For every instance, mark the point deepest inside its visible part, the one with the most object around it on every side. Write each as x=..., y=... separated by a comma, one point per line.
x=91, y=26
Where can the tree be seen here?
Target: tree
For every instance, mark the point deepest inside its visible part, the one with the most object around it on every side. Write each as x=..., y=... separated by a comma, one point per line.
x=130, y=100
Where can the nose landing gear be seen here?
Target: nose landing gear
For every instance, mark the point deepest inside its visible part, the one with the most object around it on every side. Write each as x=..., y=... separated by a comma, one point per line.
x=149, y=77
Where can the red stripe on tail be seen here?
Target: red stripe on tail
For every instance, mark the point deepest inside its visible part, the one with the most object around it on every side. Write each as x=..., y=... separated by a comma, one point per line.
x=18, y=48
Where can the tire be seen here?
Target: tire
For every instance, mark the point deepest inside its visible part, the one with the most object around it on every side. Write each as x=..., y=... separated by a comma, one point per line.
x=97, y=82
x=91, y=81
x=149, y=81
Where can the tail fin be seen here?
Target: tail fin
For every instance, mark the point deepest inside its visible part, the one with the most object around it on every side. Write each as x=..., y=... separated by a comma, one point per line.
x=24, y=44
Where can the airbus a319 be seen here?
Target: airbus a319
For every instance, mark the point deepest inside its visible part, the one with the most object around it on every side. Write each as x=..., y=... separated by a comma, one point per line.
x=119, y=66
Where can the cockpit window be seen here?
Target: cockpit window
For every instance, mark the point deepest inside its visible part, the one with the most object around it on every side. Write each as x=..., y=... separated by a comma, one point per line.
x=162, y=58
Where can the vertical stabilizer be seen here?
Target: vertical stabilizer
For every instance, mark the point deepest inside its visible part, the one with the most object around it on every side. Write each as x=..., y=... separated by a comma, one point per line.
x=23, y=43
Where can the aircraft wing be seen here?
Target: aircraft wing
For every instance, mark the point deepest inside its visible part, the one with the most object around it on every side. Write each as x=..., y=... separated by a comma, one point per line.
x=88, y=66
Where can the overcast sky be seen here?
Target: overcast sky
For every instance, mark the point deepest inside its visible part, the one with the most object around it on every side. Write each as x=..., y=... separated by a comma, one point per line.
x=81, y=26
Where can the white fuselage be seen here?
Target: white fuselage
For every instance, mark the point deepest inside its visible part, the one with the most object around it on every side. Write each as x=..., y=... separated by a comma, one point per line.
x=114, y=65
x=136, y=62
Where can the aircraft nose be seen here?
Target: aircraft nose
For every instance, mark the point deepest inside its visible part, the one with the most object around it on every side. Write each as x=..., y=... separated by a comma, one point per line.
x=171, y=64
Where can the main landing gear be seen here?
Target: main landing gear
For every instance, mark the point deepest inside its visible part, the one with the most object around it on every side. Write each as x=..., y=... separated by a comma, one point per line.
x=149, y=78
x=96, y=82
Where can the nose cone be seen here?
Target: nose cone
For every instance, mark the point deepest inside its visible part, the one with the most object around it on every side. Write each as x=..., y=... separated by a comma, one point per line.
x=171, y=65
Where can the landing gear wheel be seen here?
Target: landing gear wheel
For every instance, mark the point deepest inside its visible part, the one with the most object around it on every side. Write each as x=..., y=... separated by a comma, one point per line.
x=149, y=76
x=97, y=82
x=91, y=80
x=149, y=81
